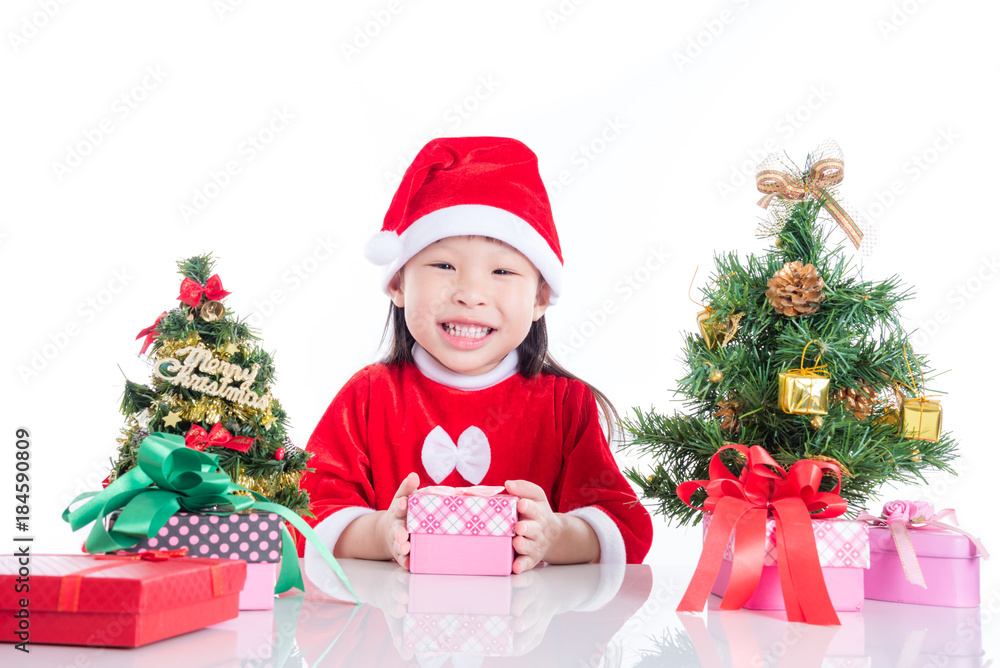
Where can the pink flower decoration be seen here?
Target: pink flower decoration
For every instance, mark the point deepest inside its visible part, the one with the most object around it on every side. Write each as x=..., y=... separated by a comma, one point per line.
x=922, y=511
x=908, y=511
x=897, y=511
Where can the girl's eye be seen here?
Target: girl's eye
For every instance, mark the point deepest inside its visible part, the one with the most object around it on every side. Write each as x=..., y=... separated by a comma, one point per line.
x=503, y=272
x=442, y=265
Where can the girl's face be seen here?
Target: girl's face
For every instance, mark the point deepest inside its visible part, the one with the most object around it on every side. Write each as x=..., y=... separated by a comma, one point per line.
x=469, y=301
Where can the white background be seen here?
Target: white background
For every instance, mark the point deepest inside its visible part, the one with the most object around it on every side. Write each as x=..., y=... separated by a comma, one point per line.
x=677, y=102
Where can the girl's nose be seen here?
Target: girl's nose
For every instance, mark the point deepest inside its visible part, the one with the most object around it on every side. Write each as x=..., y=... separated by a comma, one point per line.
x=470, y=291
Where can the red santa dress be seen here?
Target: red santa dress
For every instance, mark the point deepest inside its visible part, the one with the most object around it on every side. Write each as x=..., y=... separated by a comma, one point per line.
x=462, y=430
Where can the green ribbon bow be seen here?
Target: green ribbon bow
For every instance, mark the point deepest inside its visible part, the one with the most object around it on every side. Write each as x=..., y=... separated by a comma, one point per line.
x=169, y=477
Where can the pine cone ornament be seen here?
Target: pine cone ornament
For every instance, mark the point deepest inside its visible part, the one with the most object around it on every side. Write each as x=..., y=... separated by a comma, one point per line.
x=729, y=412
x=796, y=290
x=860, y=401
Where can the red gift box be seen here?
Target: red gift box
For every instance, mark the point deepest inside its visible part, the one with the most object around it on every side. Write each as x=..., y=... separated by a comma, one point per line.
x=118, y=601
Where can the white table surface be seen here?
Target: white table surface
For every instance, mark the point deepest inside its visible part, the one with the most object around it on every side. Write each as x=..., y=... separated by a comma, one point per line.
x=543, y=618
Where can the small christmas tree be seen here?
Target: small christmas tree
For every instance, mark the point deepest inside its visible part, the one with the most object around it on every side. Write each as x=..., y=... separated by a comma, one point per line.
x=211, y=384
x=797, y=354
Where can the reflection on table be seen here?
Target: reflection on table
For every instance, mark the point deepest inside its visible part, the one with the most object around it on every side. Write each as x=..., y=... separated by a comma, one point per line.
x=550, y=616
x=882, y=634
x=584, y=615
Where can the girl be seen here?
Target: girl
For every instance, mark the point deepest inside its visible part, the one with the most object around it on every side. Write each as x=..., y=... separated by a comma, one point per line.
x=468, y=394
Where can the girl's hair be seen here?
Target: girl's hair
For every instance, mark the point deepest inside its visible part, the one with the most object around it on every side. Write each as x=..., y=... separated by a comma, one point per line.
x=533, y=358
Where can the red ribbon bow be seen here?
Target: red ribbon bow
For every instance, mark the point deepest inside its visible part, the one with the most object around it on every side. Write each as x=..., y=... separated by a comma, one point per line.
x=191, y=291
x=743, y=504
x=150, y=333
x=199, y=439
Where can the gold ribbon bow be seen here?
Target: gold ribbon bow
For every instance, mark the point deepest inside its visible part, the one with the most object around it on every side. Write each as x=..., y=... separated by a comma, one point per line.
x=824, y=169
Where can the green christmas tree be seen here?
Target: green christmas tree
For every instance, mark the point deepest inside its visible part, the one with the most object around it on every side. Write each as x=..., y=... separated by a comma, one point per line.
x=211, y=383
x=802, y=301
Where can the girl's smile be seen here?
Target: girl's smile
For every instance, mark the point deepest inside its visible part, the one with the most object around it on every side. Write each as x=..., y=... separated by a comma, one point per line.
x=467, y=336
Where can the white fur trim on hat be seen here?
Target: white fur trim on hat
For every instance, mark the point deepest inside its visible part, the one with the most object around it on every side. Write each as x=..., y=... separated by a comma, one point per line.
x=478, y=219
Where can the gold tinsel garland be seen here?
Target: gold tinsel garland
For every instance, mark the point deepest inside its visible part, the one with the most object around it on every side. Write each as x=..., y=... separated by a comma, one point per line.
x=169, y=347
x=267, y=486
x=210, y=410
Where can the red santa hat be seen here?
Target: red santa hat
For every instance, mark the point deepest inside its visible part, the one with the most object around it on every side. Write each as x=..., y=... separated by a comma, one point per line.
x=488, y=186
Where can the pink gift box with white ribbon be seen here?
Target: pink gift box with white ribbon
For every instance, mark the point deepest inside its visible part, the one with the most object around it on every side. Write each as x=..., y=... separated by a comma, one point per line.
x=461, y=530
x=922, y=557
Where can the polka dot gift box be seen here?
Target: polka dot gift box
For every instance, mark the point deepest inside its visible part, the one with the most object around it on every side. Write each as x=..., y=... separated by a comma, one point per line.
x=253, y=537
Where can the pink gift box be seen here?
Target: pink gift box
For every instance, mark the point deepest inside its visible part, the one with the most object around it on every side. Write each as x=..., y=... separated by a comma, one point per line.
x=948, y=561
x=258, y=592
x=843, y=557
x=461, y=531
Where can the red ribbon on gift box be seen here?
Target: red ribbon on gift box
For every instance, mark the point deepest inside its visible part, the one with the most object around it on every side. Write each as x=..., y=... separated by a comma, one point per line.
x=191, y=291
x=743, y=504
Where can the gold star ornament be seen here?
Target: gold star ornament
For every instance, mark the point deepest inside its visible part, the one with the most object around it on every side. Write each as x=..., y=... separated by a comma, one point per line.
x=172, y=419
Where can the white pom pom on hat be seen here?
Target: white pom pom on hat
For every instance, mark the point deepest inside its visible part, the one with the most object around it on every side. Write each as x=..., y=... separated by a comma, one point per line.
x=383, y=247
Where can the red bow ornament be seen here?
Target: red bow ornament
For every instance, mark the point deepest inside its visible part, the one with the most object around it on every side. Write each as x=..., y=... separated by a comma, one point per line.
x=742, y=504
x=191, y=291
x=199, y=439
x=150, y=333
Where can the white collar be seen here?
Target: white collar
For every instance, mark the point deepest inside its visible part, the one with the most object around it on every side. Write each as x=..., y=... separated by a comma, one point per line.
x=438, y=372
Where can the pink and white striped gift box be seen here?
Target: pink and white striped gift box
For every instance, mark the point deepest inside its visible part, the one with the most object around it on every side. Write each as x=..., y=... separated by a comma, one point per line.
x=461, y=531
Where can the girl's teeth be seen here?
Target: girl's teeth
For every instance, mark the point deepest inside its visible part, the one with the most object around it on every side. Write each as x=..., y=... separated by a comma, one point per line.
x=467, y=331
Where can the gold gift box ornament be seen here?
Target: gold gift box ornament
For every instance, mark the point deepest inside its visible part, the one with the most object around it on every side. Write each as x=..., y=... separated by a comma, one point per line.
x=804, y=391
x=920, y=419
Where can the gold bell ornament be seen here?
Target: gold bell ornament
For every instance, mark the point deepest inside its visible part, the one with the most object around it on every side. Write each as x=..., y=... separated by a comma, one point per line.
x=804, y=391
x=212, y=310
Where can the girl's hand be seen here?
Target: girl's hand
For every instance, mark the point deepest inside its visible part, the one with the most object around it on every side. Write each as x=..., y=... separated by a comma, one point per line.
x=537, y=528
x=391, y=526
x=542, y=535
